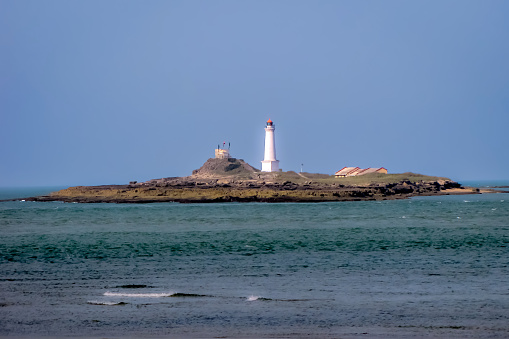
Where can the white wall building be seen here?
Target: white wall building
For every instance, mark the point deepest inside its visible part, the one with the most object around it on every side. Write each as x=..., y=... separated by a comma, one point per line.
x=222, y=153
x=269, y=163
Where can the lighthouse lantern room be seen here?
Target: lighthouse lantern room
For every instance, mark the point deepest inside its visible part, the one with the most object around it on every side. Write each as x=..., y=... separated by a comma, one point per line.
x=269, y=163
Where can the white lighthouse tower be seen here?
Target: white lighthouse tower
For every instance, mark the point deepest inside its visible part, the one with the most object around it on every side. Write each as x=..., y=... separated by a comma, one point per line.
x=269, y=163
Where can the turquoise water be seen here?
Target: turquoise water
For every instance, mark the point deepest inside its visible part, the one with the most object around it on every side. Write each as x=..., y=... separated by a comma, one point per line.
x=427, y=266
x=23, y=192
x=499, y=185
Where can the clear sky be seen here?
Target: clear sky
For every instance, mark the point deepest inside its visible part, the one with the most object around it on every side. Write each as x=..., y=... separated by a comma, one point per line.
x=104, y=92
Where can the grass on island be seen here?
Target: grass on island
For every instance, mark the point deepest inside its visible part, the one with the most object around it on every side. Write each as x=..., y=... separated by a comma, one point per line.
x=361, y=180
x=238, y=169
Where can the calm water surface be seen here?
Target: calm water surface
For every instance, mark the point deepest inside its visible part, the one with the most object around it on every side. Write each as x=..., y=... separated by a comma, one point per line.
x=430, y=266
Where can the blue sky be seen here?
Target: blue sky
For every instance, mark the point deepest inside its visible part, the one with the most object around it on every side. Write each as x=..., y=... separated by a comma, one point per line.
x=103, y=92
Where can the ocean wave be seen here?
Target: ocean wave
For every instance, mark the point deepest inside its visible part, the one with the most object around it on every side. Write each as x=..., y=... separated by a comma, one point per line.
x=106, y=303
x=255, y=297
x=153, y=295
x=187, y=295
x=138, y=295
x=133, y=286
x=258, y=298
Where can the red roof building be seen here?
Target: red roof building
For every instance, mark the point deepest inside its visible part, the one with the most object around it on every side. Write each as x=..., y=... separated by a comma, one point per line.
x=356, y=171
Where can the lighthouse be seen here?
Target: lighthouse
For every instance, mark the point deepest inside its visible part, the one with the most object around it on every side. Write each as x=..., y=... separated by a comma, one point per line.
x=269, y=163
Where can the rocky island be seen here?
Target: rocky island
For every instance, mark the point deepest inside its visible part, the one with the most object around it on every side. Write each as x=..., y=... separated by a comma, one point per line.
x=233, y=180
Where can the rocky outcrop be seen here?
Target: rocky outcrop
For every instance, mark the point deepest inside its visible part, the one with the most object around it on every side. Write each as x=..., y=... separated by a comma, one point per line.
x=189, y=190
x=227, y=180
x=230, y=167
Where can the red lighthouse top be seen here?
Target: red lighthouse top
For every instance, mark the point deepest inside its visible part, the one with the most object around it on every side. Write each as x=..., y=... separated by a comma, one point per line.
x=269, y=122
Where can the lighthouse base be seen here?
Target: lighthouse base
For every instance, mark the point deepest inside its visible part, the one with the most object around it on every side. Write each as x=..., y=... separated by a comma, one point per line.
x=270, y=165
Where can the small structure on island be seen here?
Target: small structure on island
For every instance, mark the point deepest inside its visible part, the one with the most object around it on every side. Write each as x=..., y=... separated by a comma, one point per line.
x=356, y=171
x=222, y=153
x=269, y=162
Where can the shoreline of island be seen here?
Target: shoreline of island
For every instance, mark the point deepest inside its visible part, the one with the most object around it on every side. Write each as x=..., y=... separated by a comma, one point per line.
x=233, y=180
x=354, y=195
x=182, y=190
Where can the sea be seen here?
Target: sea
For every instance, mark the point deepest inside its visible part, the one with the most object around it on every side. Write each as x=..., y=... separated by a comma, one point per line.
x=425, y=267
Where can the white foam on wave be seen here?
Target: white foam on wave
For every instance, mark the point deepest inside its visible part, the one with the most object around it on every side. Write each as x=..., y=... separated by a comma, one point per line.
x=105, y=303
x=253, y=298
x=138, y=295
